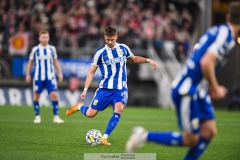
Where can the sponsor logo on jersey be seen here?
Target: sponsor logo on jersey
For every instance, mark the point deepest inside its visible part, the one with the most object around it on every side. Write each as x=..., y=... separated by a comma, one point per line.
x=195, y=123
x=115, y=60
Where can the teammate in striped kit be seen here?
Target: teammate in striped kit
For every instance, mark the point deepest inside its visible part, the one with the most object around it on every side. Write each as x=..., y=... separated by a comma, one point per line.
x=193, y=90
x=111, y=60
x=45, y=58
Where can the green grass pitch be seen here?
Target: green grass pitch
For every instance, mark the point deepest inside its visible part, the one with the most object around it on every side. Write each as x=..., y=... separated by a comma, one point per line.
x=21, y=139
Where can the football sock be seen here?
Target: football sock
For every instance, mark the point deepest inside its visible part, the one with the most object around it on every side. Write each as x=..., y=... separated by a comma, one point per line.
x=166, y=138
x=55, y=107
x=36, y=108
x=105, y=136
x=83, y=109
x=196, y=151
x=112, y=123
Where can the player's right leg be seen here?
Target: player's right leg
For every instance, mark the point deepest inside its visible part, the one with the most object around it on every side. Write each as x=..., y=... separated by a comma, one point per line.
x=74, y=108
x=36, y=108
x=99, y=103
x=37, y=89
x=85, y=110
x=208, y=127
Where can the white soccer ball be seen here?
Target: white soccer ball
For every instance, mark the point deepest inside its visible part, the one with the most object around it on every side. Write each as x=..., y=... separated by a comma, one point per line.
x=94, y=137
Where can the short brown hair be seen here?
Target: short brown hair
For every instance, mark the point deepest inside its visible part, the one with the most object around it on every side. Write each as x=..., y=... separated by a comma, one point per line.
x=234, y=12
x=43, y=32
x=110, y=31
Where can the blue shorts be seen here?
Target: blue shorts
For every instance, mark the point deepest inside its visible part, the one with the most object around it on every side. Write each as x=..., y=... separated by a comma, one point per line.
x=50, y=85
x=192, y=110
x=104, y=97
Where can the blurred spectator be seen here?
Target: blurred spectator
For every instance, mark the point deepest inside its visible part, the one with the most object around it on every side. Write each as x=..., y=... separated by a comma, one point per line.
x=74, y=83
x=77, y=24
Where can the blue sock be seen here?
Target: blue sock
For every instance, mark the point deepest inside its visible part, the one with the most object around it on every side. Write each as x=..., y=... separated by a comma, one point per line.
x=36, y=108
x=84, y=109
x=196, y=151
x=112, y=123
x=55, y=107
x=166, y=138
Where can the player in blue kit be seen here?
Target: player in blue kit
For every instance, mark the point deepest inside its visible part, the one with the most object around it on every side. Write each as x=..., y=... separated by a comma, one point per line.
x=45, y=58
x=111, y=60
x=193, y=90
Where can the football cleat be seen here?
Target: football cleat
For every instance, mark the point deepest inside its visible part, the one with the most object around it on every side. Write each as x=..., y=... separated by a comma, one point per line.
x=37, y=119
x=105, y=142
x=57, y=119
x=136, y=140
x=74, y=108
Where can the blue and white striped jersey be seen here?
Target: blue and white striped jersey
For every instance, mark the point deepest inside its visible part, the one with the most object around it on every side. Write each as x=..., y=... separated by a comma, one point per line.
x=218, y=40
x=112, y=65
x=43, y=57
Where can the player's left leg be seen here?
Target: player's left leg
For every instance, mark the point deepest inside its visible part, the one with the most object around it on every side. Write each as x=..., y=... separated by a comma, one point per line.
x=119, y=101
x=51, y=86
x=207, y=132
x=118, y=107
x=54, y=97
x=208, y=128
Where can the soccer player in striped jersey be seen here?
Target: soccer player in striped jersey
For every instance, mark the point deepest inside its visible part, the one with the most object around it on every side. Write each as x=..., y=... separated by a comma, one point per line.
x=111, y=60
x=45, y=58
x=193, y=90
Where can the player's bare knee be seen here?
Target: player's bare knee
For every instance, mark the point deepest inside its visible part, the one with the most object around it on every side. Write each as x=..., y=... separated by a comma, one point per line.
x=90, y=115
x=190, y=139
x=209, y=130
x=36, y=97
x=54, y=96
x=118, y=110
x=209, y=133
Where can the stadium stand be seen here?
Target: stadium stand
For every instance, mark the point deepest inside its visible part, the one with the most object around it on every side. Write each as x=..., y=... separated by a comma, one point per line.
x=76, y=28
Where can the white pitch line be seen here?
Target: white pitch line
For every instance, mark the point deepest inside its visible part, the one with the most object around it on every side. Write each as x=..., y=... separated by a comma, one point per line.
x=121, y=122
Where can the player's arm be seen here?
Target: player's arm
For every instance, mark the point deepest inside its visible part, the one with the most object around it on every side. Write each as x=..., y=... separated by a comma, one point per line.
x=138, y=59
x=29, y=68
x=88, y=81
x=208, y=69
x=59, y=70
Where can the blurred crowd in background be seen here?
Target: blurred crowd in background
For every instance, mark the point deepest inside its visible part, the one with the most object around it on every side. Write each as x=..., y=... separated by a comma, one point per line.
x=78, y=24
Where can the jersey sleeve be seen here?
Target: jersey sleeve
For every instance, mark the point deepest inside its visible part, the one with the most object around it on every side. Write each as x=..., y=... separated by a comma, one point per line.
x=31, y=56
x=218, y=47
x=129, y=52
x=97, y=59
x=54, y=52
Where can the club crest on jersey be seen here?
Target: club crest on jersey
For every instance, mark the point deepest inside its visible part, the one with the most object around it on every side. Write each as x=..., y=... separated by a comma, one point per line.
x=120, y=51
x=95, y=102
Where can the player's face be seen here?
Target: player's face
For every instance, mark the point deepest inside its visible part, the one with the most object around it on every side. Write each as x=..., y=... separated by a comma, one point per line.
x=110, y=41
x=44, y=39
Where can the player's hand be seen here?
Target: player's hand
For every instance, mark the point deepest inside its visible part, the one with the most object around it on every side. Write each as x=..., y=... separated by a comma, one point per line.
x=60, y=77
x=154, y=64
x=218, y=92
x=28, y=78
x=83, y=95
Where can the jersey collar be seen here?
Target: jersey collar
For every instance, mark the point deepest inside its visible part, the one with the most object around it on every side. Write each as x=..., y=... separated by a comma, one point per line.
x=115, y=47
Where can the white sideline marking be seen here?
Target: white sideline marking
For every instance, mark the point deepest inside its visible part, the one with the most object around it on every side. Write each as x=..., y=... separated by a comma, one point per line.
x=123, y=122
